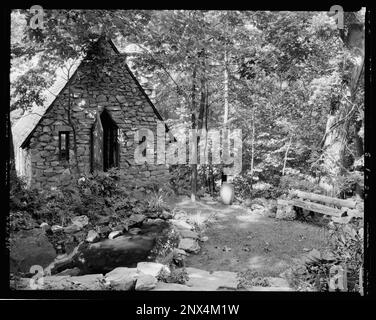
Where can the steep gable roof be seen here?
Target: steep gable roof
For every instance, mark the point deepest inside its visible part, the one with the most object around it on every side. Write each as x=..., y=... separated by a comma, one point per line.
x=24, y=128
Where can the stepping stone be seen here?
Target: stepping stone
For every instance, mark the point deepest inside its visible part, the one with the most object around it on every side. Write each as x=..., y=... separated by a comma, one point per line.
x=80, y=221
x=151, y=268
x=73, y=228
x=92, y=236
x=146, y=282
x=122, y=278
x=278, y=282
x=313, y=255
x=189, y=245
x=342, y=220
x=181, y=225
x=270, y=289
x=203, y=280
x=85, y=282
x=162, y=286
x=114, y=234
x=70, y=272
x=89, y=281
x=188, y=234
x=134, y=231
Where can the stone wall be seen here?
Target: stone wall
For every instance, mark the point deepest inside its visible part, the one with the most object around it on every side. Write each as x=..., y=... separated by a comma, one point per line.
x=96, y=85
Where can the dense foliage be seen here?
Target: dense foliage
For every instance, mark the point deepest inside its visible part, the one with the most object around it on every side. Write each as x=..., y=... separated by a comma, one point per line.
x=94, y=195
x=289, y=80
x=346, y=249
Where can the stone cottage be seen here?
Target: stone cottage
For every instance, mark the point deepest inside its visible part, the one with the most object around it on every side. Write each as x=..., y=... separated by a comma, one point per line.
x=107, y=105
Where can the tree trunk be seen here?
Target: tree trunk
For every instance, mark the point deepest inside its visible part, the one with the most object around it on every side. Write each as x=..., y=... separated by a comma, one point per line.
x=286, y=154
x=225, y=98
x=70, y=120
x=225, y=92
x=12, y=160
x=198, y=122
x=336, y=133
x=252, y=145
x=194, y=110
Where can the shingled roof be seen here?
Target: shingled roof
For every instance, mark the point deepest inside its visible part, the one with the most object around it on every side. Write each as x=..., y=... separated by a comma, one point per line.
x=24, y=128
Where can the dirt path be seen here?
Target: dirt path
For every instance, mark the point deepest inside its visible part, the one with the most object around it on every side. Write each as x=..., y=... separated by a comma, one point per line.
x=242, y=241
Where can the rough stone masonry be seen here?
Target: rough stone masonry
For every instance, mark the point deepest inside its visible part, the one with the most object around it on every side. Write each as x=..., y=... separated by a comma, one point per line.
x=101, y=83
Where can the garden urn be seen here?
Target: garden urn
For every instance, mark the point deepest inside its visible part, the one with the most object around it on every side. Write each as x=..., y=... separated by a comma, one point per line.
x=227, y=193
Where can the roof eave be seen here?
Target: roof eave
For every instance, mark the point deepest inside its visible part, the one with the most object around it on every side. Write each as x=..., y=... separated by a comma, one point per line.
x=25, y=143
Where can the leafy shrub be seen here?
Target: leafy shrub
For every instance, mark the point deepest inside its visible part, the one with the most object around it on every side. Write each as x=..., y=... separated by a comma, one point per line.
x=164, y=246
x=351, y=183
x=180, y=179
x=244, y=188
x=251, y=278
x=99, y=183
x=156, y=202
x=347, y=245
x=93, y=195
x=175, y=276
x=317, y=272
x=21, y=220
x=288, y=182
x=22, y=198
x=345, y=249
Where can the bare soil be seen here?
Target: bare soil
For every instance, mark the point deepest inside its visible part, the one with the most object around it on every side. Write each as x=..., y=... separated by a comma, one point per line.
x=242, y=241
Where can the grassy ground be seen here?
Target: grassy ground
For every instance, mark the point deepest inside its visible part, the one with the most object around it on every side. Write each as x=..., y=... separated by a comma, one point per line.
x=245, y=242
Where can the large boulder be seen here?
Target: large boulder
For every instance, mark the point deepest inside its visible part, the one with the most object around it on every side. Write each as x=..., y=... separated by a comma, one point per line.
x=134, y=231
x=189, y=245
x=73, y=228
x=92, y=236
x=203, y=280
x=115, y=234
x=86, y=282
x=163, y=286
x=312, y=256
x=146, y=282
x=103, y=220
x=122, y=278
x=166, y=215
x=181, y=224
x=57, y=228
x=80, y=221
x=28, y=248
x=69, y=272
x=136, y=219
x=104, y=231
x=188, y=234
x=152, y=268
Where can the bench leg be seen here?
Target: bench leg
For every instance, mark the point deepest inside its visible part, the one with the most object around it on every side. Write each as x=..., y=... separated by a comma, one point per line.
x=285, y=212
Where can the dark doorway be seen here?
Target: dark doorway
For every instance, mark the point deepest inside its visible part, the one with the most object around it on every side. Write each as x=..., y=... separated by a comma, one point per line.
x=110, y=142
x=104, y=143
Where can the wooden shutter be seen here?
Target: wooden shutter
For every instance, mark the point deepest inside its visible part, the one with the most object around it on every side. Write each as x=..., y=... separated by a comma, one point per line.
x=97, y=144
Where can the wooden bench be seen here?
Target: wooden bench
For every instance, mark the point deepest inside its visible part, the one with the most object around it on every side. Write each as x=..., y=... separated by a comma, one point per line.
x=322, y=204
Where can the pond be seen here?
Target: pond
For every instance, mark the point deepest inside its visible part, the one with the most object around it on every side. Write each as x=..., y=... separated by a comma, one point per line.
x=123, y=251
